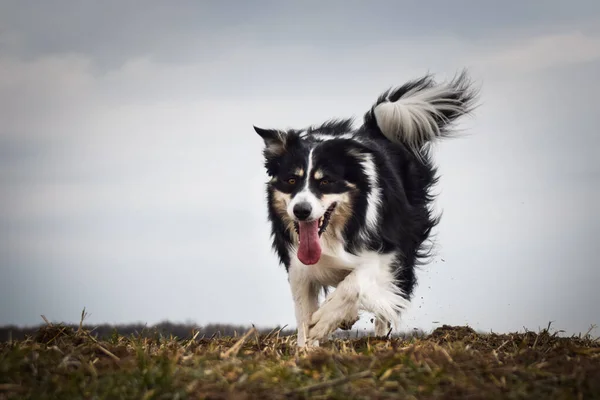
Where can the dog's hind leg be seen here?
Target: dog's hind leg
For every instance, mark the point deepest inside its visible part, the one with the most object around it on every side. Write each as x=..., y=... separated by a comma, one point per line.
x=382, y=327
x=380, y=293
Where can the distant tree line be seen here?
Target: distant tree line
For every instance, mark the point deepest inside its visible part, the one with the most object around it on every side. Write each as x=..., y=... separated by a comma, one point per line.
x=167, y=329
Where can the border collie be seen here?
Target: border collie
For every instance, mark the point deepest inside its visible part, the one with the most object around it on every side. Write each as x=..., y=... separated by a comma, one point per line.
x=349, y=207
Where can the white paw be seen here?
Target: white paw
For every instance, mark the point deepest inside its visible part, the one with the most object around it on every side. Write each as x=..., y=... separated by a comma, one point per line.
x=335, y=312
x=304, y=343
x=382, y=327
x=313, y=344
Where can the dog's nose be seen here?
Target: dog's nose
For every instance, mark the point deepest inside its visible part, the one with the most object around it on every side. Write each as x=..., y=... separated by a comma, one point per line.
x=302, y=210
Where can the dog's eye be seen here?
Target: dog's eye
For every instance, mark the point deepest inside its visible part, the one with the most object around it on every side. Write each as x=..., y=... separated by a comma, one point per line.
x=291, y=181
x=324, y=182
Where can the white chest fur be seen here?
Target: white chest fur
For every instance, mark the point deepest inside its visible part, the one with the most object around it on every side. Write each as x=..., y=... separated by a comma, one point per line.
x=336, y=263
x=368, y=277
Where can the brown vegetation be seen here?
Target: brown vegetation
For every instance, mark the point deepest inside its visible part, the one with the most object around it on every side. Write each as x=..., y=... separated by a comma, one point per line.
x=453, y=362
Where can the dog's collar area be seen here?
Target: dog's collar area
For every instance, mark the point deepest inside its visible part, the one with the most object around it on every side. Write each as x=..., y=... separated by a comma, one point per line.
x=323, y=221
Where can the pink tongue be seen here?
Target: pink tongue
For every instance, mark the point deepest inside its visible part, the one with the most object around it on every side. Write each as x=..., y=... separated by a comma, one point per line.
x=309, y=251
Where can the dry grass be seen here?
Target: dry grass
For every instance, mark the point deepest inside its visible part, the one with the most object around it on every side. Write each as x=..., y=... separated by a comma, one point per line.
x=452, y=362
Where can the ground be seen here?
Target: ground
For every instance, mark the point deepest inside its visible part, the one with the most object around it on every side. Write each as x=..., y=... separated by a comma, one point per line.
x=452, y=362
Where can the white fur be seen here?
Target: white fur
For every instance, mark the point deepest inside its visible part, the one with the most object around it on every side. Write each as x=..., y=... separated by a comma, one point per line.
x=340, y=307
x=411, y=119
x=381, y=327
x=324, y=137
x=374, y=196
x=305, y=294
x=305, y=195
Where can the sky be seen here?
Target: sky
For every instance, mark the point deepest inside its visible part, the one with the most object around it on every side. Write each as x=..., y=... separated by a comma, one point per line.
x=132, y=181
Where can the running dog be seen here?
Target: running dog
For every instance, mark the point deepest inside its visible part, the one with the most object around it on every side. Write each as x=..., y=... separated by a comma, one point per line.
x=349, y=207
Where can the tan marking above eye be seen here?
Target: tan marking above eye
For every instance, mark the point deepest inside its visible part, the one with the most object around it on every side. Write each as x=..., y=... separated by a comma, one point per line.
x=299, y=172
x=318, y=174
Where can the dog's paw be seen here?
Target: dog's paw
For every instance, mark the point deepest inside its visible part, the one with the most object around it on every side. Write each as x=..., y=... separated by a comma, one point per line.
x=333, y=314
x=347, y=325
x=306, y=344
x=382, y=327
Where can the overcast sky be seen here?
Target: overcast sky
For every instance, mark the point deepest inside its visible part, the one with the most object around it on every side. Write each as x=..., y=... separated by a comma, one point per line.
x=131, y=180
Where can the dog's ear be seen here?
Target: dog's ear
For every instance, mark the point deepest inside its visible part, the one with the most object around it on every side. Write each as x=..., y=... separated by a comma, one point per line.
x=275, y=140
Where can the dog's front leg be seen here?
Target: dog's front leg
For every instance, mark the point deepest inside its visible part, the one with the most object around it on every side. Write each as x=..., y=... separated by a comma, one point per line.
x=339, y=309
x=305, y=293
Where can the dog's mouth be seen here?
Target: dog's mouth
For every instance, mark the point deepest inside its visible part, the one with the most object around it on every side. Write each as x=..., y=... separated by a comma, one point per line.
x=309, y=233
x=323, y=221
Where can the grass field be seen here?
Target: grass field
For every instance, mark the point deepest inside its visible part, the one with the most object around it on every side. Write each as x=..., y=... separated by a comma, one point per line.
x=452, y=362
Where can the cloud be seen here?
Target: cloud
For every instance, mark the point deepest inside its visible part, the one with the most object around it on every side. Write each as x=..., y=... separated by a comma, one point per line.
x=542, y=52
x=112, y=33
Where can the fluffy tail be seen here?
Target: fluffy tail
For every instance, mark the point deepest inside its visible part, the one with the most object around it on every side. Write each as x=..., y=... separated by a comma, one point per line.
x=421, y=110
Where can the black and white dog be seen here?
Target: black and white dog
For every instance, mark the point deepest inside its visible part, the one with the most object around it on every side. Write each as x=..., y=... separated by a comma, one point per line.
x=349, y=208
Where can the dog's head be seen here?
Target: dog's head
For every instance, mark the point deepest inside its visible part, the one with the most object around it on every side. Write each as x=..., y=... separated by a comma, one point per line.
x=316, y=181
